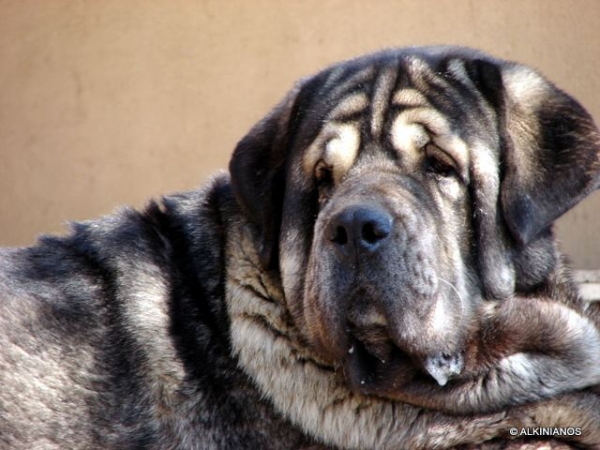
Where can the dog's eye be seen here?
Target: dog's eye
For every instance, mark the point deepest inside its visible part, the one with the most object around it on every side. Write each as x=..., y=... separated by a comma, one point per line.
x=323, y=173
x=324, y=178
x=439, y=163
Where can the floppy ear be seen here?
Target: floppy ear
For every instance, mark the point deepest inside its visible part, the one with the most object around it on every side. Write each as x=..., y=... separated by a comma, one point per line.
x=549, y=158
x=258, y=174
x=551, y=155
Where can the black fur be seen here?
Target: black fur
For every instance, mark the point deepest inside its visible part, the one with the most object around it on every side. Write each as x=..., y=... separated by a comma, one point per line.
x=183, y=238
x=188, y=326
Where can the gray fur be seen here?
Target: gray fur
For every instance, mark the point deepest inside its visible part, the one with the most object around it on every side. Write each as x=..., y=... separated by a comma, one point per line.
x=365, y=236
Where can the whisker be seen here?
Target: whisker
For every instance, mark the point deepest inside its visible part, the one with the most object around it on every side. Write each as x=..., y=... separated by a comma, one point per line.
x=462, y=302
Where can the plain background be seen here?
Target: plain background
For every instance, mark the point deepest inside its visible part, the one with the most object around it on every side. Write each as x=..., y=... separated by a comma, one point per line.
x=113, y=102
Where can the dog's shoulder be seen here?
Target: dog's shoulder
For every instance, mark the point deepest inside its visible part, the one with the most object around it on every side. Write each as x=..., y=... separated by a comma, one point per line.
x=126, y=317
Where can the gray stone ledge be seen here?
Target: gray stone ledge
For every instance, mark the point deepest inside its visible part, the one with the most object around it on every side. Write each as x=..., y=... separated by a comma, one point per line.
x=589, y=284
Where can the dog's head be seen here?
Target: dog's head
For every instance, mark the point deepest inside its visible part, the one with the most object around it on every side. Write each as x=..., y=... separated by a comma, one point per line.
x=396, y=191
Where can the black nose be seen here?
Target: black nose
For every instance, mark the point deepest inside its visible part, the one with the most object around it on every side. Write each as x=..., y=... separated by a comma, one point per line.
x=359, y=229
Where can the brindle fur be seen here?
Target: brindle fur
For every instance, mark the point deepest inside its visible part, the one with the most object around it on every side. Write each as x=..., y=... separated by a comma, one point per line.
x=240, y=317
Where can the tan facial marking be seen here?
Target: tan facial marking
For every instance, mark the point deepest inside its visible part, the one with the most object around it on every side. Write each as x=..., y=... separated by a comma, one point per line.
x=341, y=151
x=430, y=118
x=337, y=145
x=409, y=97
x=353, y=104
x=414, y=128
x=408, y=137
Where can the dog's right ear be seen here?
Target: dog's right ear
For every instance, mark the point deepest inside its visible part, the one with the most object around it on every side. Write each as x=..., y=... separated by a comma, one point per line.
x=258, y=173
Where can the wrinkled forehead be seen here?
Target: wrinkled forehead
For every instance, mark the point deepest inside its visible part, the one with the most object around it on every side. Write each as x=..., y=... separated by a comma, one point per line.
x=399, y=104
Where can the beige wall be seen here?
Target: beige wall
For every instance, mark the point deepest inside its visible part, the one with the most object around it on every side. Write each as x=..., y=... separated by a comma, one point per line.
x=111, y=102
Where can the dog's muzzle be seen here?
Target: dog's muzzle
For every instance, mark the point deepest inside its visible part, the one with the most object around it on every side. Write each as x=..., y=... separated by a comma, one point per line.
x=381, y=347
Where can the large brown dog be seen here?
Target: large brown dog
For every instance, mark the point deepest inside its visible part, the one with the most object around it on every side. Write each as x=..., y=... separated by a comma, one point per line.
x=378, y=272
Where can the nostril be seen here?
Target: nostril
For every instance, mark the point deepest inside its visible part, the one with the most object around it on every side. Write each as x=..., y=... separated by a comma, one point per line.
x=374, y=231
x=339, y=236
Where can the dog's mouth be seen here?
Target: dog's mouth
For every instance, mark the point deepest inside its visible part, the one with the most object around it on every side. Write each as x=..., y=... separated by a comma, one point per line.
x=377, y=371
x=375, y=365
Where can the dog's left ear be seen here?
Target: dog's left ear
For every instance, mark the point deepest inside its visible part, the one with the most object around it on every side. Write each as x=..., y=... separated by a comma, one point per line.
x=551, y=156
x=257, y=172
x=549, y=160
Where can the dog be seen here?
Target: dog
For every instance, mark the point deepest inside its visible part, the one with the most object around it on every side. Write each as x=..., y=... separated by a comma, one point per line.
x=377, y=270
